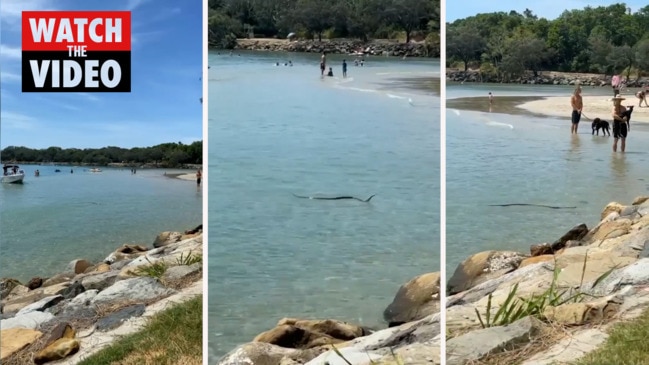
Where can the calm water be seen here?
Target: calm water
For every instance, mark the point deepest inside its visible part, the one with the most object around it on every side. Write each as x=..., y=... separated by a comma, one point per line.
x=275, y=131
x=500, y=159
x=57, y=217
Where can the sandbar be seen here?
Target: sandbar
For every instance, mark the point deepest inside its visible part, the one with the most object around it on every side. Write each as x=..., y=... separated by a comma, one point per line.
x=594, y=107
x=182, y=176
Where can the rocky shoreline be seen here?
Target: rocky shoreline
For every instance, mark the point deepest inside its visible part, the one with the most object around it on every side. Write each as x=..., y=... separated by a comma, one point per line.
x=543, y=78
x=67, y=317
x=413, y=335
x=574, y=290
x=342, y=46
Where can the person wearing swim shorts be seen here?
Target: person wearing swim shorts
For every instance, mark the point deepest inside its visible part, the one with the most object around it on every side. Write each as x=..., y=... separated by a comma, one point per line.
x=620, y=123
x=323, y=64
x=577, y=105
x=642, y=96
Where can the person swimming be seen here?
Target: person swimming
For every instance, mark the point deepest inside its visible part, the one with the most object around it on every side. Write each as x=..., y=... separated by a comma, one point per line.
x=330, y=73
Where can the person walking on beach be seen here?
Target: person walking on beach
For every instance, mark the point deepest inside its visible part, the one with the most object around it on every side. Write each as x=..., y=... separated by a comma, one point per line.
x=491, y=99
x=344, y=69
x=577, y=105
x=615, y=84
x=199, y=174
x=620, y=123
x=323, y=63
x=642, y=96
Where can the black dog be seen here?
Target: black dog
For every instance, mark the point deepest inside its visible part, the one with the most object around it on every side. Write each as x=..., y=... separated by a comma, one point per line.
x=627, y=113
x=601, y=124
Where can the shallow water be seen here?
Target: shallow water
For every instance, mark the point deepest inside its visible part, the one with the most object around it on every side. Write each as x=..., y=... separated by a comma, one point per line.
x=57, y=217
x=277, y=131
x=497, y=158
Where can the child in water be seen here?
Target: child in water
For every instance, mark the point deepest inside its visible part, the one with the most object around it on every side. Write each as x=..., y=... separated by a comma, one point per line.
x=330, y=73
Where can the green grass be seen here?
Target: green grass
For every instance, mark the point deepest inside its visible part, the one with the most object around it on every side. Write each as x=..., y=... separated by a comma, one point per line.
x=173, y=336
x=627, y=345
x=157, y=269
x=513, y=308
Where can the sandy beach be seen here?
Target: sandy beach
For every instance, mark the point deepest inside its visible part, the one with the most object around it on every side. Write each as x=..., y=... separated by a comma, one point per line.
x=594, y=107
x=183, y=176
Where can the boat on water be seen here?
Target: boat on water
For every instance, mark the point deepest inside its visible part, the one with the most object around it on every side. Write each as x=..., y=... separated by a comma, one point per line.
x=95, y=170
x=12, y=174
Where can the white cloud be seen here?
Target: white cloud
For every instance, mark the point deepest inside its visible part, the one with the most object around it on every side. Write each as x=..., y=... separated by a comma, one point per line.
x=10, y=52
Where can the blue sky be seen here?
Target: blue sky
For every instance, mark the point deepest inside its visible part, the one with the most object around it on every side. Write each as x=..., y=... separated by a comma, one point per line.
x=549, y=9
x=164, y=103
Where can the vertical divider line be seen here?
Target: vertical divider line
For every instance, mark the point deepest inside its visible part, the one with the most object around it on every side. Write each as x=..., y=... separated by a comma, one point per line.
x=442, y=175
x=205, y=184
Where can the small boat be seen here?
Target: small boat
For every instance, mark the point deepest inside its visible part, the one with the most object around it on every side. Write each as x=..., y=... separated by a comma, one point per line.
x=12, y=174
x=95, y=170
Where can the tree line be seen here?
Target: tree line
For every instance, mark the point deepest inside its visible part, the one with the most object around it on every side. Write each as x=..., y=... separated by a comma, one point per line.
x=605, y=39
x=163, y=155
x=362, y=19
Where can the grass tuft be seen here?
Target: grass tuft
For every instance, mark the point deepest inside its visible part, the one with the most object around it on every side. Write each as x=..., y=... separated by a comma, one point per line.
x=515, y=308
x=173, y=336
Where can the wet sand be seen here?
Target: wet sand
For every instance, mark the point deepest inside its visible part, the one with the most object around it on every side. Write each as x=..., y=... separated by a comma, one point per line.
x=554, y=106
x=183, y=176
x=423, y=83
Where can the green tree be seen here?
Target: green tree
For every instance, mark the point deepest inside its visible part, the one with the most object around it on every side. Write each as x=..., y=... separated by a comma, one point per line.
x=464, y=44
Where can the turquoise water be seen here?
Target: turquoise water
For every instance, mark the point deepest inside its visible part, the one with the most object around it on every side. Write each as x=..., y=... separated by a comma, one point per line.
x=275, y=131
x=57, y=217
x=500, y=159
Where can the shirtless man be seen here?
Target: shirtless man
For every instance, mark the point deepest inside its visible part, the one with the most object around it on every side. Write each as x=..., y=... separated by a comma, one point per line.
x=642, y=96
x=577, y=106
x=323, y=63
x=620, y=124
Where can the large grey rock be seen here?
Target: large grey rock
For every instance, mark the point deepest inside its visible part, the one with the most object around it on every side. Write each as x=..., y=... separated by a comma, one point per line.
x=99, y=281
x=41, y=305
x=31, y=320
x=415, y=300
x=481, y=267
x=79, y=266
x=58, y=279
x=261, y=353
x=133, y=290
x=84, y=299
x=6, y=286
x=167, y=238
x=181, y=271
x=477, y=344
x=635, y=274
x=482, y=290
x=352, y=355
x=116, y=319
x=73, y=290
x=417, y=331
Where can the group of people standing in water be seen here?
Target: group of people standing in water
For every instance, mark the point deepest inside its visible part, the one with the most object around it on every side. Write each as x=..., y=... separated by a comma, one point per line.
x=330, y=73
x=620, y=114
